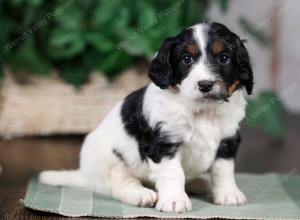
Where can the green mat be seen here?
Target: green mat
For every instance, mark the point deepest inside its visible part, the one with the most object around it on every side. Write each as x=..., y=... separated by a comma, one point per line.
x=270, y=196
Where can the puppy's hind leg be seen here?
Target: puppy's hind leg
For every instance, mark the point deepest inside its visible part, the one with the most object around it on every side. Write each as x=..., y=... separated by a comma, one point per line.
x=127, y=188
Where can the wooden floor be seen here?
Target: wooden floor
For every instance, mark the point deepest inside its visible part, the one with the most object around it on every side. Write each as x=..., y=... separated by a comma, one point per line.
x=19, y=158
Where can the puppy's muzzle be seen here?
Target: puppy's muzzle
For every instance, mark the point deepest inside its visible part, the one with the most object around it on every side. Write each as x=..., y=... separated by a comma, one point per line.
x=216, y=90
x=205, y=85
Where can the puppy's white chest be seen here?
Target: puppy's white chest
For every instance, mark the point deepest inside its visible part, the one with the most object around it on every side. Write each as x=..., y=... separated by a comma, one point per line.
x=201, y=145
x=207, y=130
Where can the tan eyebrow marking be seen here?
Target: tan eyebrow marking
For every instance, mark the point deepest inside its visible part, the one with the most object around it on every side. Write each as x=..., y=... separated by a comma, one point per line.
x=192, y=48
x=217, y=47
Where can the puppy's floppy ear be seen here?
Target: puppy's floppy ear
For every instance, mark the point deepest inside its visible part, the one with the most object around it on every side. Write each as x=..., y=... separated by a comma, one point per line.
x=245, y=68
x=160, y=69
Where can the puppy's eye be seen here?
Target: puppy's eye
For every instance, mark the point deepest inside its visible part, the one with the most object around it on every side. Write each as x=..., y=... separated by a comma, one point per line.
x=224, y=59
x=187, y=59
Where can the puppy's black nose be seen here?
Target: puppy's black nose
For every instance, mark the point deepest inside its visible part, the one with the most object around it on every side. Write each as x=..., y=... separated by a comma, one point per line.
x=205, y=85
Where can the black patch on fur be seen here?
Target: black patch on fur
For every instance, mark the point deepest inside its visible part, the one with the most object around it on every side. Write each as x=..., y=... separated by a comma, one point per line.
x=167, y=68
x=240, y=67
x=120, y=156
x=153, y=143
x=229, y=146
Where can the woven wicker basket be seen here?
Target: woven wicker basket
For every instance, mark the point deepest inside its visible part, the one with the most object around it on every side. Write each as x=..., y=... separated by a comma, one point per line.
x=49, y=106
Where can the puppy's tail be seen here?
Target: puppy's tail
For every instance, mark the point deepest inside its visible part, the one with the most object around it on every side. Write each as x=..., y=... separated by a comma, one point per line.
x=63, y=178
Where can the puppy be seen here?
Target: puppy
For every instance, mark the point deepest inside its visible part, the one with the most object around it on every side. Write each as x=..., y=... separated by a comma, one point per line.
x=183, y=124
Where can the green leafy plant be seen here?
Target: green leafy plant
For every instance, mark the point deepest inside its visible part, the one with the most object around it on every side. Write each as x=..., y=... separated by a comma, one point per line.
x=265, y=111
x=76, y=37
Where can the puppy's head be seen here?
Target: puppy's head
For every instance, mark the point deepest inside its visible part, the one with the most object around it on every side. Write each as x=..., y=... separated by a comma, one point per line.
x=206, y=61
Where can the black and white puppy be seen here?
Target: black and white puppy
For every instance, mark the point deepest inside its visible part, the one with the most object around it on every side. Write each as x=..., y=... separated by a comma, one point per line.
x=183, y=124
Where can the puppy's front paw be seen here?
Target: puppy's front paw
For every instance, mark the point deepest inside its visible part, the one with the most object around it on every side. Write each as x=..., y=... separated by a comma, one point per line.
x=228, y=196
x=142, y=197
x=147, y=198
x=177, y=202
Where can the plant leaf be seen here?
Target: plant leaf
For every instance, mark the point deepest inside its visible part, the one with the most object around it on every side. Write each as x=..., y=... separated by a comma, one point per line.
x=99, y=41
x=75, y=75
x=138, y=46
x=105, y=11
x=67, y=15
x=265, y=111
x=26, y=57
x=65, y=43
x=147, y=17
